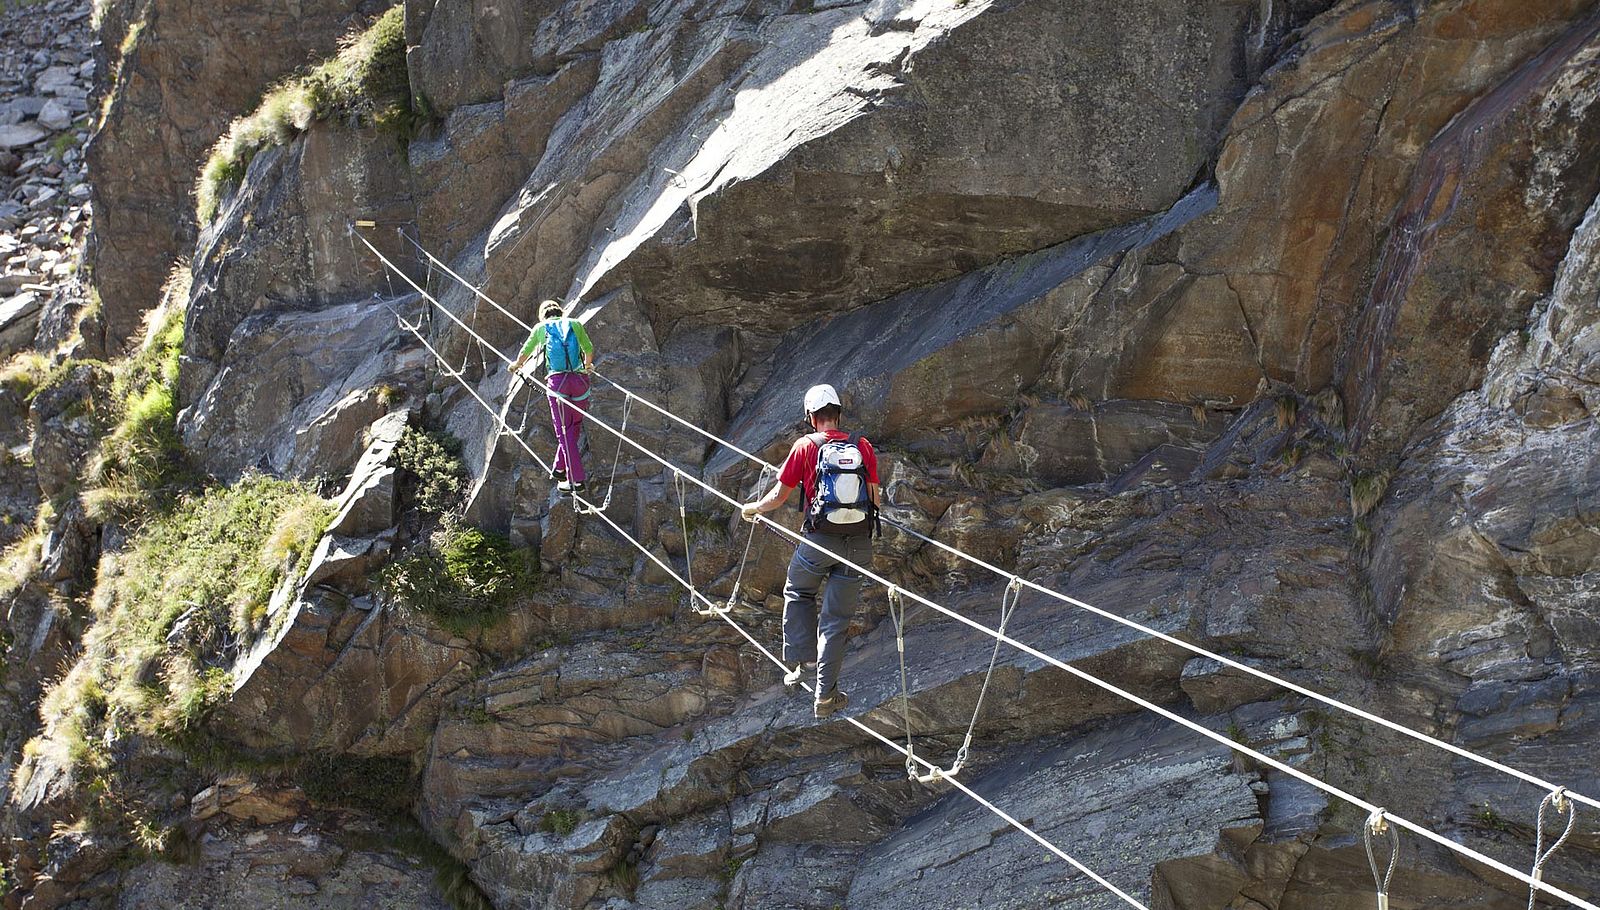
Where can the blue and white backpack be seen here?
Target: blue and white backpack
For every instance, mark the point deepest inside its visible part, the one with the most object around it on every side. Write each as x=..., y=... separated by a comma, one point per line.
x=841, y=504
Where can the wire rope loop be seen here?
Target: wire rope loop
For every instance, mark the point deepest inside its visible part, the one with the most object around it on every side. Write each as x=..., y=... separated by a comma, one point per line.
x=616, y=460
x=1009, y=599
x=897, y=614
x=1377, y=825
x=1558, y=800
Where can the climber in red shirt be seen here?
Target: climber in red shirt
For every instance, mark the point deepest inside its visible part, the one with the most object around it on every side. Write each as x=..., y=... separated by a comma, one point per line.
x=838, y=475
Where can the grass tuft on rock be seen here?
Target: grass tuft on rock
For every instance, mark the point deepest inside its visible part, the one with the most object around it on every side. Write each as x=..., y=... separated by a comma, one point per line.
x=141, y=456
x=561, y=822
x=365, y=82
x=25, y=373
x=1367, y=490
x=462, y=578
x=181, y=601
x=19, y=561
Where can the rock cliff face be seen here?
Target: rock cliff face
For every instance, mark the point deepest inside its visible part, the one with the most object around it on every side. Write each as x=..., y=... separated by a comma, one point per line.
x=178, y=73
x=1269, y=324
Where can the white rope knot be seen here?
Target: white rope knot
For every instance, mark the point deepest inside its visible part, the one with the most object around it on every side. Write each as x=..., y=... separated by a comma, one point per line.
x=1377, y=826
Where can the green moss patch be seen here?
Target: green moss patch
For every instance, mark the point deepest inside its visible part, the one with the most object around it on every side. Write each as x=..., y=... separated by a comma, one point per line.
x=462, y=578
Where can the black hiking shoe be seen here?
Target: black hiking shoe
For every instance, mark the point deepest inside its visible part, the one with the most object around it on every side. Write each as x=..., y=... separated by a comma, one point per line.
x=558, y=475
x=567, y=486
x=836, y=701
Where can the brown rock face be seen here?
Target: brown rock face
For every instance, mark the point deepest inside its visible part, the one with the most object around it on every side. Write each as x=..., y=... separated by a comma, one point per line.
x=1487, y=556
x=1374, y=103
x=186, y=69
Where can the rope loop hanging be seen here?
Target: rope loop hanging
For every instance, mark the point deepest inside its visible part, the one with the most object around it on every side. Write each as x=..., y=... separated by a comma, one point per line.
x=738, y=580
x=897, y=614
x=1557, y=799
x=1377, y=825
x=527, y=402
x=688, y=551
x=611, y=485
x=1008, y=606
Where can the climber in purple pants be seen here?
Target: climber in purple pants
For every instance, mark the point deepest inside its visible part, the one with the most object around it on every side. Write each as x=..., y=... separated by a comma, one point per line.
x=568, y=357
x=567, y=407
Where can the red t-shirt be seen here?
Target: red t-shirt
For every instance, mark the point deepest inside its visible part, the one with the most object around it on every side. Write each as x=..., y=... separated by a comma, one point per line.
x=800, y=468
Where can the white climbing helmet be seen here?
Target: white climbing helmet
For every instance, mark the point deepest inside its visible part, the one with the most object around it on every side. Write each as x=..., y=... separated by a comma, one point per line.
x=819, y=397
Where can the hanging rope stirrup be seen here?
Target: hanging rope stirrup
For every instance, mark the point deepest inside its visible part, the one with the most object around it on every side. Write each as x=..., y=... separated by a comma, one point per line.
x=1377, y=826
x=897, y=613
x=688, y=552
x=1009, y=599
x=1557, y=800
x=611, y=485
x=733, y=596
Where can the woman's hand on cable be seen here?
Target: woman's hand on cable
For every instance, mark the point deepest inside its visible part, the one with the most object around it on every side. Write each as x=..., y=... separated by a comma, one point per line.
x=750, y=511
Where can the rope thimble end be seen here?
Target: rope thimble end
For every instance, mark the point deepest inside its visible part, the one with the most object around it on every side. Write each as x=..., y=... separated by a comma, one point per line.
x=1377, y=822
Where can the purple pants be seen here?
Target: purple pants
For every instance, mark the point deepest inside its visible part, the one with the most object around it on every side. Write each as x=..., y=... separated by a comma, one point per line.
x=566, y=412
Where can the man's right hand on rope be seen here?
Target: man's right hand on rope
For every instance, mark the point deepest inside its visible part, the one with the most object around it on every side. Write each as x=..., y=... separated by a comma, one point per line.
x=750, y=510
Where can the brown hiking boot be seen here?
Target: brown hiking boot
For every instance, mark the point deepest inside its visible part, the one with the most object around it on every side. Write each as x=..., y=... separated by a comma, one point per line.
x=835, y=701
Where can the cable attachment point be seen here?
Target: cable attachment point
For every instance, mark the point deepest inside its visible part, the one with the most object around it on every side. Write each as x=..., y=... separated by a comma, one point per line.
x=1377, y=826
x=1558, y=800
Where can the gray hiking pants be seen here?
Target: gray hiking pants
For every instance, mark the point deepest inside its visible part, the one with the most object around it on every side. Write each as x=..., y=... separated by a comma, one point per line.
x=807, y=636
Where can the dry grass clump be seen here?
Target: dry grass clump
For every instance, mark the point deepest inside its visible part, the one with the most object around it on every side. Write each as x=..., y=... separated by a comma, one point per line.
x=366, y=81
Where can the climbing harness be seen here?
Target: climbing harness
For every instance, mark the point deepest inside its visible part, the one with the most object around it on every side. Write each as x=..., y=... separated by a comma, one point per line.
x=611, y=485
x=1377, y=826
x=1389, y=822
x=1558, y=800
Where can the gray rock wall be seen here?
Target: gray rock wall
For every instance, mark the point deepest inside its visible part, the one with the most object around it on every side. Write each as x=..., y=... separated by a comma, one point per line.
x=1126, y=296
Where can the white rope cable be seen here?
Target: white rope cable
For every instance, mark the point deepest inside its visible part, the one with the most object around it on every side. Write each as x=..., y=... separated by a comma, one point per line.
x=711, y=610
x=1085, y=676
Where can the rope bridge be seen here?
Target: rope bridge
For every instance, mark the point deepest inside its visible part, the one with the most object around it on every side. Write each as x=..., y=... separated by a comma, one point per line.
x=1381, y=825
